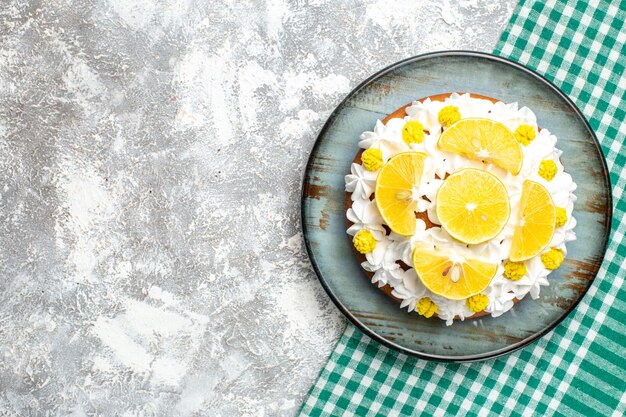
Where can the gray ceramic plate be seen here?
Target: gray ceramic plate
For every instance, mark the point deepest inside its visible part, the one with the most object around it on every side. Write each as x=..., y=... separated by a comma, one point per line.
x=323, y=215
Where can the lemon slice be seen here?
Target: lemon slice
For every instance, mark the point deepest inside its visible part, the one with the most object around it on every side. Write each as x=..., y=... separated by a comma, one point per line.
x=395, y=189
x=473, y=205
x=454, y=279
x=483, y=139
x=537, y=221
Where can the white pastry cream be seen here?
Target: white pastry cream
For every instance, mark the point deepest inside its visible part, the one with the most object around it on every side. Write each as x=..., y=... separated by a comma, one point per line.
x=391, y=248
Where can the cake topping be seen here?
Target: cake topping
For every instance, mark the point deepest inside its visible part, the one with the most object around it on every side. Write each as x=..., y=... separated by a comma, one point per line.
x=514, y=270
x=477, y=302
x=553, y=258
x=536, y=222
x=372, y=159
x=561, y=217
x=485, y=140
x=525, y=134
x=547, y=169
x=449, y=115
x=473, y=205
x=426, y=307
x=451, y=276
x=408, y=262
x=398, y=191
x=364, y=241
x=413, y=132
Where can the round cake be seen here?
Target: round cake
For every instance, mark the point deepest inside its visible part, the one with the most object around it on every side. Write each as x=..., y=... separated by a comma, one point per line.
x=458, y=206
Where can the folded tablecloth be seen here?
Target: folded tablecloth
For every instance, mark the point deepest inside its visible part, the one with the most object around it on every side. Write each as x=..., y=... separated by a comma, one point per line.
x=579, y=368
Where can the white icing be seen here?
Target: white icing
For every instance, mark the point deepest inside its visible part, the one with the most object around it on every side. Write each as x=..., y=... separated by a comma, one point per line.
x=410, y=290
x=387, y=138
x=382, y=262
x=364, y=215
x=391, y=249
x=360, y=182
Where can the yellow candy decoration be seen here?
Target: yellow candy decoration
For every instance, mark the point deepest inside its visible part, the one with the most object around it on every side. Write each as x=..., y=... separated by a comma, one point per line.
x=552, y=259
x=372, y=159
x=547, y=169
x=364, y=241
x=477, y=302
x=413, y=132
x=525, y=134
x=561, y=217
x=449, y=115
x=426, y=307
x=514, y=270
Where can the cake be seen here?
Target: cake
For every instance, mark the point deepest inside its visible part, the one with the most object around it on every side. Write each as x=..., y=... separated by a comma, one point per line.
x=458, y=206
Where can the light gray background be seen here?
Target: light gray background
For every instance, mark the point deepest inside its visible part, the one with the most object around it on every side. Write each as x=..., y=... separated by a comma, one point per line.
x=151, y=154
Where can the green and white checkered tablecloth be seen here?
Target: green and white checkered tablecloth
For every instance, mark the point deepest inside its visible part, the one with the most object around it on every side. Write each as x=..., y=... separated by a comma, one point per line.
x=580, y=367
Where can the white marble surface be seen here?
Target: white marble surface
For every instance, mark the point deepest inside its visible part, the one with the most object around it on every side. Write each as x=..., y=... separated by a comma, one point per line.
x=151, y=154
